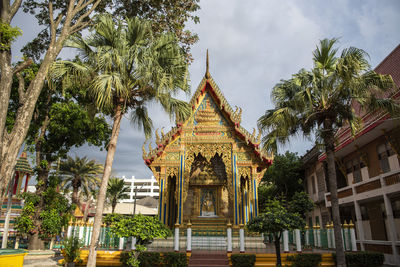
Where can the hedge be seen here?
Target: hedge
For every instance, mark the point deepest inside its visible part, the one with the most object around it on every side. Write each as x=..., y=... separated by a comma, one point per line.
x=305, y=260
x=363, y=259
x=243, y=260
x=174, y=259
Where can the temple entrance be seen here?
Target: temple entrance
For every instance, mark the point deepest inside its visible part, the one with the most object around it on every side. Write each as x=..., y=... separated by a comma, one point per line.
x=172, y=207
x=208, y=202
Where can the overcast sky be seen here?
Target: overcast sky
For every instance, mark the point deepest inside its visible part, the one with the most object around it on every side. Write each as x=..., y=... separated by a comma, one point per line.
x=252, y=46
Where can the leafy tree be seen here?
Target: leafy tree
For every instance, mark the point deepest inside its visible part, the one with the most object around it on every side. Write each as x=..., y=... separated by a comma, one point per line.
x=61, y=19
x=283, y=178
x=275, y=219
x=54, y=215
x=323, y=100
x=80, y=174
x=301, y=203
x=62, y=119
x=126, y=68
x=116, y=190
x=143, y=228
x=165, y=16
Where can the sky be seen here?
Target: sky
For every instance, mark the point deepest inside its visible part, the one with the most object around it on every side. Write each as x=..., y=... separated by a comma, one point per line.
x=252, y=46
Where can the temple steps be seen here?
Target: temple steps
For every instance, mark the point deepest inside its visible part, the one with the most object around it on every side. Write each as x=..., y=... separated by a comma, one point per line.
x=203, y=259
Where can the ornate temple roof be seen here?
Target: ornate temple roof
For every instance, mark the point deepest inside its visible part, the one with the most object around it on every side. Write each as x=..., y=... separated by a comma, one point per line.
x=23, y=164
x=233, y=119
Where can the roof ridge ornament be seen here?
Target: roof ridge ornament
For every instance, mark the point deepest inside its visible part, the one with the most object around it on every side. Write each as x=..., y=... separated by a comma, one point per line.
x=207, y=75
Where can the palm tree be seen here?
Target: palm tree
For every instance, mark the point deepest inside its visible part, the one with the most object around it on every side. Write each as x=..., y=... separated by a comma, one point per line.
x=321, y=100
x=80, y=175
x=126, y=67
x=116, y=190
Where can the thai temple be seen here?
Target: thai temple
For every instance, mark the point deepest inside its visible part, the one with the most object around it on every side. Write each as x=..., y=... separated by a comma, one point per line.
x=208, y=167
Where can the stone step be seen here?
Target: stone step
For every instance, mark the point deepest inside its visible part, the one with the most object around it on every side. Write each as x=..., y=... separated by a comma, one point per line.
x=199, y=259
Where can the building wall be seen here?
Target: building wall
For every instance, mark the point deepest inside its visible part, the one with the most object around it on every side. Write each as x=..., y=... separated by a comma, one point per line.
x=145, y=187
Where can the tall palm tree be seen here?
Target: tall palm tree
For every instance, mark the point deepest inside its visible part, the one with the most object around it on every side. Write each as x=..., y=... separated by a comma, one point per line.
x=80, y=175
x=125, y=67
x=321, y=100
x=116, y=190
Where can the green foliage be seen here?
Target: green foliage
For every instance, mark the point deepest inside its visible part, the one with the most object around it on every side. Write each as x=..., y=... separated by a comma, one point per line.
x=363, y=259
x=275, y=219
x=174, y=259
x=112, y=218
x=285, y=176
x=80, y=174
x=55, y=214
x=301, y=203
x=7, y=35
x=116, y=190
x=243, y=260
x=144, y=228
x=305, y=260
x=71, y=249
x=149, y=259
x=321, y=100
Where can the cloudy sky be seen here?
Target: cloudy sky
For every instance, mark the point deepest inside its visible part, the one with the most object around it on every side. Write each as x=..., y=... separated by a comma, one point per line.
x=254, y=44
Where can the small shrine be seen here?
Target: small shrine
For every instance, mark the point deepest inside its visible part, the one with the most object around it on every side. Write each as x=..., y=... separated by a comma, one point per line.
x=208, y=167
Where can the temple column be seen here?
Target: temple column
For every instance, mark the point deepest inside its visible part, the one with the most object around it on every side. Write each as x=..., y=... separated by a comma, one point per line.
x=163, y=202
x=180, y=186
x=255, y=192
x=236, y=191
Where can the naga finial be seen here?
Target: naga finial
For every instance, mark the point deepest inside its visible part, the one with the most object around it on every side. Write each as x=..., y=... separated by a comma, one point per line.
x=240, y=115
x=253, y=134
x=207, y=75
x=150, y=148
x=162, y=132
x=144, y=150
x=157, y=137
x=259, y=136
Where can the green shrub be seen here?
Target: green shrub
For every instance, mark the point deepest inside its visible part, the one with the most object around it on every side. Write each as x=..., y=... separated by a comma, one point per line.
x=305, y=260
x=128, y=259
x=71, y=249
x=174, y=259
x=364, y=259
x=152, y=259
x=243, y=260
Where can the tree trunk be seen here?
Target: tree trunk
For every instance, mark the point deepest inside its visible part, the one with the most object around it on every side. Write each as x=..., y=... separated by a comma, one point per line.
x=277, y=250
x=113, y=205
x=329, y=141
x=103, y=187
x=35, y=243
x=75, y=198
x=86, y=213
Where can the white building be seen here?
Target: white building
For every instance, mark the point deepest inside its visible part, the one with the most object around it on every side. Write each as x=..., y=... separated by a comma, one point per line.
x=145, y=188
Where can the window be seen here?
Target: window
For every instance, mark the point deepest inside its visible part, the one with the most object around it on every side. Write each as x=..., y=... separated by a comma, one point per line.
x=354, y=166
x=384, y=152
x=364, y=213
x=396, y=208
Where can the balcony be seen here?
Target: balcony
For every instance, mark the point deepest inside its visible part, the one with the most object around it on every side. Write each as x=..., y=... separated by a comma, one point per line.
x=384, y=183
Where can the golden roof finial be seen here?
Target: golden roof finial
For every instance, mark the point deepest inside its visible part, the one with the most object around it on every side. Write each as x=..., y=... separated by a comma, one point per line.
x=207, y=68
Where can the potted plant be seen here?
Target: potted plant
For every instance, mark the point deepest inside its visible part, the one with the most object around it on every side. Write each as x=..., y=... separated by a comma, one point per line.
x=71, y=251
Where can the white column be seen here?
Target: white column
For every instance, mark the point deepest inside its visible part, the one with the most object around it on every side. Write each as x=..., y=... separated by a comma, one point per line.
x=307, y=237
x=298, y=240
x=328, y=235
x=241, y=234
x=315, y=236
x=121, y=243
x=81, y=231
x=286, y=241
x=176, y=237
x=229, y=234
x=392, y=235
x=69, y=231
x=133, y=243
x=189, y=237
x=333, y=236
x=319, y=235
x=353, y=237
x=16, y=246
x=87, y=240
x=346, y=235
x=360, y=228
